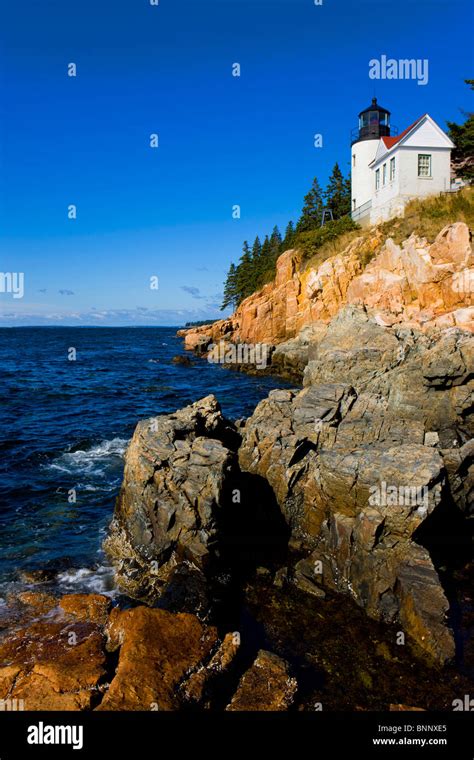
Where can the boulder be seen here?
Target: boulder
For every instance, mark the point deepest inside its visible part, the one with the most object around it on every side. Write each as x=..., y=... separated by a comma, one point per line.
x=305, y=578
x=157, y=650
x=53, y=665
x=38, y=601
x=133, y=659
x=355, y=484
x=459, y=463
x=424, y=379
x=266, y=686
x=170, y=504
x=89, y=608
x=196, y=341
x=197, y=688
x=180, y=359
x=290, y=358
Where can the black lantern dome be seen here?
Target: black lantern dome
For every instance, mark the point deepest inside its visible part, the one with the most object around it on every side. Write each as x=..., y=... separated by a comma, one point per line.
x=374, y=122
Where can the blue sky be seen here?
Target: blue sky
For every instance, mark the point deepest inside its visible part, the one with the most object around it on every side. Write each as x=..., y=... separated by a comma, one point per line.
x=167, y=212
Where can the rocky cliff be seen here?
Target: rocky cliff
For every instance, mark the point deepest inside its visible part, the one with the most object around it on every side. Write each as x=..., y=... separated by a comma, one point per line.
x=413, y=285
x=373, y=476
x=358, y=487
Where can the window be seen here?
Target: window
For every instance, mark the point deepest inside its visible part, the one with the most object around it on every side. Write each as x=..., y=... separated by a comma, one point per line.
x=392, y=169
x=353, y=159
x=384, y=174
x=424, y=165
x=377, y=179
x=354, y=204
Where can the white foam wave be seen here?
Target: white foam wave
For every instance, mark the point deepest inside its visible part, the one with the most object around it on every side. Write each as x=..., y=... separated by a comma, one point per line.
x=98, y=581
x=91, y=460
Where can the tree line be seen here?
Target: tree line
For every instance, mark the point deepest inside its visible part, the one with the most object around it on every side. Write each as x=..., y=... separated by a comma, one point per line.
x=256, y=266
x=462, y=136
x=257, y=263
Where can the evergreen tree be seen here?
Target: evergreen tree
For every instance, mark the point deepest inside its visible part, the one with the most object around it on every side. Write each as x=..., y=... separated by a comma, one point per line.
x=312, y=209
x=274, y=248
x=257, y=264
x=256, y=249
x=261, y=263
x=256, y=260
x=289, y=237
x=275, y=237
x=338, y=193
x=462, y=136
x=230, y=289
x=244, y=275
x=265, y=251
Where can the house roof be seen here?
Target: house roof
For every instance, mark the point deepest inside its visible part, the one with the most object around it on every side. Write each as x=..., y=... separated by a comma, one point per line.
x=389, y=144
x=391, y=141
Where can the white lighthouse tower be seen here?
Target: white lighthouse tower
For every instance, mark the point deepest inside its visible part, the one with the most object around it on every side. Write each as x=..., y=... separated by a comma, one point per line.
x=374, y=123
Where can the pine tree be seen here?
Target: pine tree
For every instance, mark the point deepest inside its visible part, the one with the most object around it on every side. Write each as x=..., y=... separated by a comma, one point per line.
x=275, y=246
x=338, y=193
x=289, y=237
x=260, y=261
x=256, y=249
x=265, y=251
x=256, y=255
x=312, y=209
x=230, y=289
x=275, y=237
x=244, y=275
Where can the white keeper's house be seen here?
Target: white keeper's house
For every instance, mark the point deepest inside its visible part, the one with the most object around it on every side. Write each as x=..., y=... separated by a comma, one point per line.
x=388, y=170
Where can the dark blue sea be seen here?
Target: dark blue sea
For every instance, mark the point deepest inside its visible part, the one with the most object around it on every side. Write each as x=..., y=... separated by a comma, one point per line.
x=66, y=424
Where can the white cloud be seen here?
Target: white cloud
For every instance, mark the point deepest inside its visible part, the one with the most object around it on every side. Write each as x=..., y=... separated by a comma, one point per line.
x=108, y=317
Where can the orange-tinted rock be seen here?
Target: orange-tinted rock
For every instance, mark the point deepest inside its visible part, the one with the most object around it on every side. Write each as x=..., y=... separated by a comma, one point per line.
x=53, y=666
x=453, y=246
x=39, y=601
x=266, y=686
x=414, y=283
x=91, y=608
x=193, y=689
x=157, y=649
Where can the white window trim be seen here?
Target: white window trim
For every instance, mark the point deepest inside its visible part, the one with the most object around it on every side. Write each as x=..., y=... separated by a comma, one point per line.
x=392, y=169
x=430, y=166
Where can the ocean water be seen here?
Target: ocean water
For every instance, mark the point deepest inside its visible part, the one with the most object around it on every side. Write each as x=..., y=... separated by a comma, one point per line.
x=66, y=424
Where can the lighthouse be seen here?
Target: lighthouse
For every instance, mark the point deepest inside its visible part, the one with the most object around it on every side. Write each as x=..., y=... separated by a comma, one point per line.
x=374, y=123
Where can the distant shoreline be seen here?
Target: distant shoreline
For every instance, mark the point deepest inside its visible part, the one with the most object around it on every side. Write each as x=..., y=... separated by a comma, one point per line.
x=91, y=327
